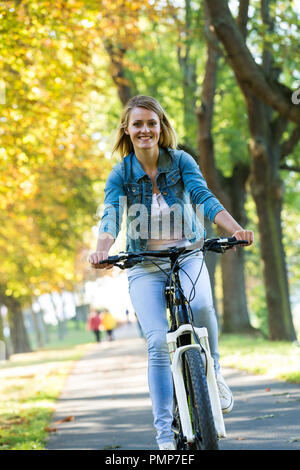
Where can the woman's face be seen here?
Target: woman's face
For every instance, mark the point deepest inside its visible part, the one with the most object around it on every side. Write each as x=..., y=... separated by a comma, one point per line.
x=143, y=128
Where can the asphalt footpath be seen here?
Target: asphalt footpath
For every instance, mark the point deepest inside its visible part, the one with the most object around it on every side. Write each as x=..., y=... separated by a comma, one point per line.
x=105, y=404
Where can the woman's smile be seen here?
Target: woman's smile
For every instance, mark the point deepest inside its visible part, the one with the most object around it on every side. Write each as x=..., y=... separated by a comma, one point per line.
x=143, y=127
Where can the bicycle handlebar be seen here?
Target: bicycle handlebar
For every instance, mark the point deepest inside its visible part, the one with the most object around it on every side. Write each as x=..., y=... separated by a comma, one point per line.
x=217, y=245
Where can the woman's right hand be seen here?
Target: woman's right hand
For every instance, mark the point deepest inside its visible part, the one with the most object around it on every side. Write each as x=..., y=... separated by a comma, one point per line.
x=97, y=256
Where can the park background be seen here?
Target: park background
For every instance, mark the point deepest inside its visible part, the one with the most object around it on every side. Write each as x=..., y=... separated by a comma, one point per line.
x=228, y=76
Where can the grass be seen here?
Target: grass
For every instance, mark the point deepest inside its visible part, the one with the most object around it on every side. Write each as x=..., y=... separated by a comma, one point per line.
x=29, y=387
x=278, y=359
x=31, y=383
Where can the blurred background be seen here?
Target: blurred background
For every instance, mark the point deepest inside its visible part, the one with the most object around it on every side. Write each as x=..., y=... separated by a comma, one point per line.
x=67, y=69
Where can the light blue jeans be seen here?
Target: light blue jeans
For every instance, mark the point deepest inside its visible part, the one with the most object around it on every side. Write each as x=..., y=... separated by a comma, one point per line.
x=146, y=288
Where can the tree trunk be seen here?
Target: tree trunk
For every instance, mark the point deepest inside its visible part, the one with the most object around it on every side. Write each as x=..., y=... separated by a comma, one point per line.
x=235, y=310
x=18, y=334
x=38, y=333
x=231, y=192
x=262, y=92
x=118, y=71
x=267, y=192
x=4, y=352
x=60, y=323
x=189, y=78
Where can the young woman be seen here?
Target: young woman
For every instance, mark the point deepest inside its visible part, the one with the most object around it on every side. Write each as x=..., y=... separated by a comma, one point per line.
x=159, y=183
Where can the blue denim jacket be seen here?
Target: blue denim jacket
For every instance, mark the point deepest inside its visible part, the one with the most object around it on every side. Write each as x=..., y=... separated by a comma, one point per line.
x=179, y=179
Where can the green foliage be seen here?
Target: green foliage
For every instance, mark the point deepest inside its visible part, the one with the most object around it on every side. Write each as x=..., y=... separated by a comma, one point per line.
x=230, y=126
x=257, y=355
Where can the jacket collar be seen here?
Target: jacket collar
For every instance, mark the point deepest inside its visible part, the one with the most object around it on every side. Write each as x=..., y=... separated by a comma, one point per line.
x=135, y=169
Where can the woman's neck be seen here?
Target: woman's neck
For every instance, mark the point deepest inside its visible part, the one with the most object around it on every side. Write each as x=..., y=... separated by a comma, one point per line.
x=148, y=158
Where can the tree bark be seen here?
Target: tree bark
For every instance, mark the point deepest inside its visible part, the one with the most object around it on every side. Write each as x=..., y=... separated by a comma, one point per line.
x=18, y=334
x=235, y=310
x=38, y=333
x=124, y=87
x=4, y=352
x=267, y=191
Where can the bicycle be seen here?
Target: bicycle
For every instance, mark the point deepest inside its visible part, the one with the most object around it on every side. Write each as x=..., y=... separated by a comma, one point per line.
x=197, y=416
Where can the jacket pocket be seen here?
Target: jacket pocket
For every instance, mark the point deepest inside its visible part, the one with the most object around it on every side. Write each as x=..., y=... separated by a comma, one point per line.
x=133, y=192
x=173, y=177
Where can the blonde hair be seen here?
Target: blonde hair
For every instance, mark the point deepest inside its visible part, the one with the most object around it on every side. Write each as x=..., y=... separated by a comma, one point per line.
x=123, y=144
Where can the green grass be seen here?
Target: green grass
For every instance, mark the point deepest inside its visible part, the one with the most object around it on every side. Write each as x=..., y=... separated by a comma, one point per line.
x=29, y=387
x=278, y=359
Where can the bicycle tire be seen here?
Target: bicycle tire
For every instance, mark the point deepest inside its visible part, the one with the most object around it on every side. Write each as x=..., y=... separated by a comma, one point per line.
x=199, y=402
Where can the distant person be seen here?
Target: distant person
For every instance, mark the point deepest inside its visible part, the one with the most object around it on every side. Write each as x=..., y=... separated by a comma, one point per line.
x=108, y=323
x=93, y=324
x=127, y=315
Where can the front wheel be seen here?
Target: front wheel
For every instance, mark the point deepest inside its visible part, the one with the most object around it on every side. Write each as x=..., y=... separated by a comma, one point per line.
x=199, y=401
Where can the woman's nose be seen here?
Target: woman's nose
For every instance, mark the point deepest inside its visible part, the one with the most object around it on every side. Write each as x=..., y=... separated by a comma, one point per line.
x=145, y=128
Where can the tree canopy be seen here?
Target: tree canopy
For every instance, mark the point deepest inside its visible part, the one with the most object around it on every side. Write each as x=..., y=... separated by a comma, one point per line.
x=68, y=67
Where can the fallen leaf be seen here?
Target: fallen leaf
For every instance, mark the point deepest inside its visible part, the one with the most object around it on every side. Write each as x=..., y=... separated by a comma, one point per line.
x=64, y=420
x=50, y=429
x=263, y=417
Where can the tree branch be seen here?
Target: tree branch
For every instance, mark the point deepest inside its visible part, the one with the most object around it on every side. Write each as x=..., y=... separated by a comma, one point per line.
x=242, y=18
x=284, y=166
x=248, y=73
x=288, y=145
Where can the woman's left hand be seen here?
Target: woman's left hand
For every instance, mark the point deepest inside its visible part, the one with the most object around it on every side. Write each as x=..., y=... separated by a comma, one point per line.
x=244, y=235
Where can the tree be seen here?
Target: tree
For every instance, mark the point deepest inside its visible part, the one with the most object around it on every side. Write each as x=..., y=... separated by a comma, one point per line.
x=231, y=191
x=49, y=162
x=266, y=130
x=249, y=74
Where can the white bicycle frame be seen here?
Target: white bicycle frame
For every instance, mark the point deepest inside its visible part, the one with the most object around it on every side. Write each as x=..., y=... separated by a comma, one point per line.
x=176, y=367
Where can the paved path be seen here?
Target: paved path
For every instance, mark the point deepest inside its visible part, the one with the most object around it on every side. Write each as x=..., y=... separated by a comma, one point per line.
x=107, y=397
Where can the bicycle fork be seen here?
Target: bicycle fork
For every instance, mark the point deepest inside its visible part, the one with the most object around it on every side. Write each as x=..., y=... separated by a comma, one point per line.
x=176, y=368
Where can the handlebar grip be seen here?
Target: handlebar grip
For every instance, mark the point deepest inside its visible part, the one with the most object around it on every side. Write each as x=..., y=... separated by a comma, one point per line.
x=234, y=240
x=109, y=260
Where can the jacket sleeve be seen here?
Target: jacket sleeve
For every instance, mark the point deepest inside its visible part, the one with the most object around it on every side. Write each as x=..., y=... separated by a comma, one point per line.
x=196, y=185
x=114, y=203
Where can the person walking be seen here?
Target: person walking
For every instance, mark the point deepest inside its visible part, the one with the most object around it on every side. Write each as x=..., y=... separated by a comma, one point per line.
x=161, y=188
x=108, y=323
x=93, y=324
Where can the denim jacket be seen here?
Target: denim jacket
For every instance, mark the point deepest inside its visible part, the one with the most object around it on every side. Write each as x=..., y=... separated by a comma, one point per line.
x=180, y=181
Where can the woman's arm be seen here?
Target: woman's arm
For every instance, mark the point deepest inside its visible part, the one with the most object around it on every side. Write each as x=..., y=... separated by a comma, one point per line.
x=104, y=243
x=225, y=221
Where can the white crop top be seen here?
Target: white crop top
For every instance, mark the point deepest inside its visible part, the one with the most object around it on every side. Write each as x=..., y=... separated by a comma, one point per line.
x=160, y=226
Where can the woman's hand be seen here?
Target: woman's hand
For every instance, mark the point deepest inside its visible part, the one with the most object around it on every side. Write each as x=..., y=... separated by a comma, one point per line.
x=97, y=256
x=104, y=243
x=244, y=235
